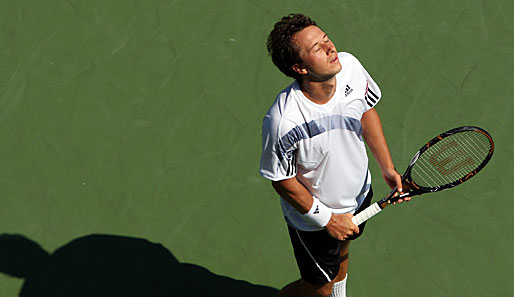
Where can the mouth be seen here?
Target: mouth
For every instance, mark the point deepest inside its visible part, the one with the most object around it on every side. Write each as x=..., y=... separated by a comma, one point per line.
x=334, y=60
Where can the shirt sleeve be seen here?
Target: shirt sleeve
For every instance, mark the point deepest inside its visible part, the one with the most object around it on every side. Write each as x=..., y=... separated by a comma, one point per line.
x=371, y=92
x=278, y=159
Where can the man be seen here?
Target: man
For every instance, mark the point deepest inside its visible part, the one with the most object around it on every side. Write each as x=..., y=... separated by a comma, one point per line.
x=314, y=151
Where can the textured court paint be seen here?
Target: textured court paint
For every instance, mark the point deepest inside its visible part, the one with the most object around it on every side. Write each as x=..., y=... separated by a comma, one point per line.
x=142, y=118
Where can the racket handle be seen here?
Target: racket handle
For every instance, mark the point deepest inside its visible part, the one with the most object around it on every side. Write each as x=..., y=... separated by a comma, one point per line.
x=366, y=214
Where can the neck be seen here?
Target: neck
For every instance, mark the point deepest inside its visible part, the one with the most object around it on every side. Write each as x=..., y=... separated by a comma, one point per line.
x=319, y=92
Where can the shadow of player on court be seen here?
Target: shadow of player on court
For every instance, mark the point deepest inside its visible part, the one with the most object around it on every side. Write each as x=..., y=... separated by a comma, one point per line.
x=113, y=266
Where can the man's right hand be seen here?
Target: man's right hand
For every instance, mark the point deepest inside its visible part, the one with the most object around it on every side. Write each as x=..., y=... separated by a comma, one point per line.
x=341, y=226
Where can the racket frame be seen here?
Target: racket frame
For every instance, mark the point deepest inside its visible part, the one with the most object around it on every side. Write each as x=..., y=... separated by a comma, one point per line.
x=415, y=189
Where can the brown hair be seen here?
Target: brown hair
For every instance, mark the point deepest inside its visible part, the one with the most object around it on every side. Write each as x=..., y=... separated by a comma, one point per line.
x=283, y=52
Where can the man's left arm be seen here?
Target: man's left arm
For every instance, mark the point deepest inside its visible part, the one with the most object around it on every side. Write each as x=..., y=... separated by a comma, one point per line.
x=374, y=136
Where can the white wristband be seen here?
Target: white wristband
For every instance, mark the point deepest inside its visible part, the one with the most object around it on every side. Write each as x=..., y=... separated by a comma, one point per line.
x=318, y=215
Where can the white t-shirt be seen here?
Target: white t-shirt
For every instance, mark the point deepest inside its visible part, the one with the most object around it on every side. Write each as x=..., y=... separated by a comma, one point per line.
x=321, y=145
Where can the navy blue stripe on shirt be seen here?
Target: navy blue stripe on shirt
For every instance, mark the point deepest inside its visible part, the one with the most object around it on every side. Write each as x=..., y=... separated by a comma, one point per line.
x=314, y=128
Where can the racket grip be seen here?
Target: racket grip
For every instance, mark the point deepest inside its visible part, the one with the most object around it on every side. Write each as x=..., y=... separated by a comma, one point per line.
x=366, y=214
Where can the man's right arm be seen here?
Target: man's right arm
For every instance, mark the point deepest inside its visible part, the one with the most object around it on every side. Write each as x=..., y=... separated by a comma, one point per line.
x=340, y=226
x=294, y=193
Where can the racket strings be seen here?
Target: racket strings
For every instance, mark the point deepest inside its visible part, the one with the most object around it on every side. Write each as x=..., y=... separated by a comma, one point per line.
x=451, y=159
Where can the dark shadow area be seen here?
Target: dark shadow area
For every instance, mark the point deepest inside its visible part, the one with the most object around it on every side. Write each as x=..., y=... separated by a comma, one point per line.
x=113, y=266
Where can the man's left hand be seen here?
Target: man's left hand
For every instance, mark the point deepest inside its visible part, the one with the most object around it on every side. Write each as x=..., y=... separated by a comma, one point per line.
x=394, y=179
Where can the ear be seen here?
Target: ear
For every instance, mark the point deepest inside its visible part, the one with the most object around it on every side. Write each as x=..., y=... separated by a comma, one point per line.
x=300, y=69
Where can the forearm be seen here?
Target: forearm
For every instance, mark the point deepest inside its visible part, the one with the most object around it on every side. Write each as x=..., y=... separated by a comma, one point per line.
x=294, y=193
x=374, y=136
x=339, y=226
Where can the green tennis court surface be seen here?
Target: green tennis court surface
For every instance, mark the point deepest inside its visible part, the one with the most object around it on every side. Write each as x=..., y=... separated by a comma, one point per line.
x=140, y=120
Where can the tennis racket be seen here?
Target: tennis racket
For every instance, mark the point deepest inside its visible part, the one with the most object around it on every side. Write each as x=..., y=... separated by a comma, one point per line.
x=444, y=162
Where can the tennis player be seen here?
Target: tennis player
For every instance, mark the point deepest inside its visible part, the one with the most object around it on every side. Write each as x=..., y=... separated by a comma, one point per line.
x=314, y=153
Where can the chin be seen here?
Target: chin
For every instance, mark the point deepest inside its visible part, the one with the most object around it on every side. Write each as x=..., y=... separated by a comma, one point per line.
x=338, y=67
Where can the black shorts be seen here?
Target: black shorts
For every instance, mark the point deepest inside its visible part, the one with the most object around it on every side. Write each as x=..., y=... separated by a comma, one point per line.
x=318, y=254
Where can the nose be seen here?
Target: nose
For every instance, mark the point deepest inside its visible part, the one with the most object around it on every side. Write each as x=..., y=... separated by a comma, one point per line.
x=330, y=48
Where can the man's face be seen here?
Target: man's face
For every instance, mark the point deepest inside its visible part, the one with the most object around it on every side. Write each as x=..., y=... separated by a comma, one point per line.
x=318, y=54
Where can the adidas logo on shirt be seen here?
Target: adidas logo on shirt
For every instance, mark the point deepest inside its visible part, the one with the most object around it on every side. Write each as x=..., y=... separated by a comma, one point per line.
x=317, y=209
x=348, y=91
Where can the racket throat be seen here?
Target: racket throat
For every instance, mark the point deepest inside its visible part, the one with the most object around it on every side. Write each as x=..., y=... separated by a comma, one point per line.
x=393, y=199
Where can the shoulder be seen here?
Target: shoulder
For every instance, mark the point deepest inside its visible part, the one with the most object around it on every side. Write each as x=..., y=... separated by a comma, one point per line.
x=344, y=56
x=282, y=108
x=348, y=60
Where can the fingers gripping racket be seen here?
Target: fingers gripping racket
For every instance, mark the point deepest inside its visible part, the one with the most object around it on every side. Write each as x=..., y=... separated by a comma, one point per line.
x=444, y=162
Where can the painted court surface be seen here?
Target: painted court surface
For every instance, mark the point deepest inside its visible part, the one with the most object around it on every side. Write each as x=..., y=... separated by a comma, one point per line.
x=142, y=119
